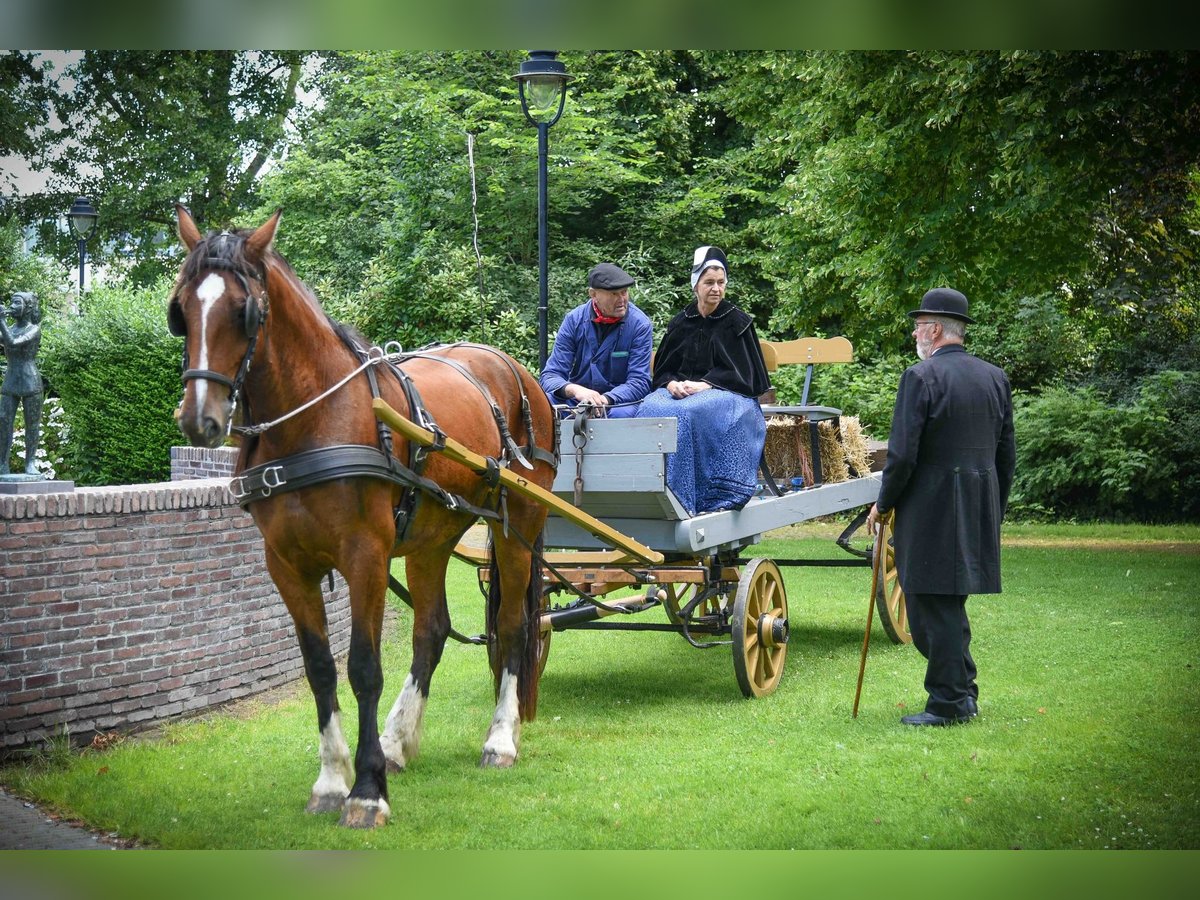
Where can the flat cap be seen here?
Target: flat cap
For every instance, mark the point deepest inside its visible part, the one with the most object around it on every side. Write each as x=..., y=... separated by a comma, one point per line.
x=609, y=277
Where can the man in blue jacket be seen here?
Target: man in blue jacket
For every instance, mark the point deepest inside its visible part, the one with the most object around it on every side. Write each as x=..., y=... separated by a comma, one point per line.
x=950, y=462
x=602, y=351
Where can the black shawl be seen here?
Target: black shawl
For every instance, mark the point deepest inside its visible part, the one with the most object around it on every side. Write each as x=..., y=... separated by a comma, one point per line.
x=721, y=349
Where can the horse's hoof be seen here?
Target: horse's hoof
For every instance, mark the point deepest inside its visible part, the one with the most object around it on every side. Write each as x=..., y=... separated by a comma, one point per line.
x=493, y=760
x=364, y=813
x=324, y=803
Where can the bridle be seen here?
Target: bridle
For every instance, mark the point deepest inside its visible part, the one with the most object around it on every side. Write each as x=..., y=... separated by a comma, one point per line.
x=253, y=322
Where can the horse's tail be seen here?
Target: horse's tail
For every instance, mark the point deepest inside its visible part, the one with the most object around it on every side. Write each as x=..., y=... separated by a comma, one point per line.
x=530, y=668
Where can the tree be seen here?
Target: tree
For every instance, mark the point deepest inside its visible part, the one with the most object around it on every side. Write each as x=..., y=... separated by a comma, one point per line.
x=378, y=204
x=1010, y=175
x=24, y=108
x=143, y=130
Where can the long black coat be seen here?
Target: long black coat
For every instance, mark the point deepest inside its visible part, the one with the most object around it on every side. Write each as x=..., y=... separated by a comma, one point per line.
x=950, y=461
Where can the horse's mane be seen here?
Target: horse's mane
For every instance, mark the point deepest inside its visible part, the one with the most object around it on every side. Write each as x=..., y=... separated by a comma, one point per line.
x=227, y=250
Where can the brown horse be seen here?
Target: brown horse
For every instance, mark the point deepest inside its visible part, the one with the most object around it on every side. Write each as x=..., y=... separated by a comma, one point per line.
x=331, y=488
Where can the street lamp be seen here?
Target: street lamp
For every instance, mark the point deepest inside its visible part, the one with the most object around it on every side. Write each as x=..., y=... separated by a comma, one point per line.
x=83, y=219
x=542, y=84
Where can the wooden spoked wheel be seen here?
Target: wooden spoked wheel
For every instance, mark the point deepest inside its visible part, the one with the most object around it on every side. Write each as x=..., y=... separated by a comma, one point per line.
x=759, y=628
x=889, y=596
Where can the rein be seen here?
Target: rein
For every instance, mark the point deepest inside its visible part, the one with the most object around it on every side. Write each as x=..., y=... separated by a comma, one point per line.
x=375, y=356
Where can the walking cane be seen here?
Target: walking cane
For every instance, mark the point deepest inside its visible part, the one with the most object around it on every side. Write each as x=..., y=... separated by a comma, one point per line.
x=876, y=563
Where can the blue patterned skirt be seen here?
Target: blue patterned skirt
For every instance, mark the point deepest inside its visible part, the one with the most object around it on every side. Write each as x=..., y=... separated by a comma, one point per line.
x=720, y=443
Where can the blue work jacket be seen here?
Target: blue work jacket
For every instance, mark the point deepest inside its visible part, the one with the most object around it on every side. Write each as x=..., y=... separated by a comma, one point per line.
x=618, y=366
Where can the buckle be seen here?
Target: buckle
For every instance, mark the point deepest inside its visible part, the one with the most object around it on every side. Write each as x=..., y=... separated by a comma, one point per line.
x=272, y=478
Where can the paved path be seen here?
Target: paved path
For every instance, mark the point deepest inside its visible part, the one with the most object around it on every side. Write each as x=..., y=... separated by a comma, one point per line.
x=25, y=827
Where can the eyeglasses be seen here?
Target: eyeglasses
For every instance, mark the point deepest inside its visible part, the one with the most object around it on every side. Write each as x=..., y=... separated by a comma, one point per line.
x=919, y=324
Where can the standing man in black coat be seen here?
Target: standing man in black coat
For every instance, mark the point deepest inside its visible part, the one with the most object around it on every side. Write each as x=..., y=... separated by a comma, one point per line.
x=950, y=461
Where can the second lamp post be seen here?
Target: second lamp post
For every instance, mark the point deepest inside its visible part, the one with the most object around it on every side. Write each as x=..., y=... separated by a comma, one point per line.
x=542, y=84
x=83, y=218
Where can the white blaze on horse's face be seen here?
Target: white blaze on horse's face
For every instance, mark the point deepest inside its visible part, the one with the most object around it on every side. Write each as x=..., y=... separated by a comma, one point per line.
x=211, y=289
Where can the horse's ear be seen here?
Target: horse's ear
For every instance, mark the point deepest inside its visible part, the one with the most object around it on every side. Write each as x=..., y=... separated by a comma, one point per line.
x=259, y=243
x=188, y=232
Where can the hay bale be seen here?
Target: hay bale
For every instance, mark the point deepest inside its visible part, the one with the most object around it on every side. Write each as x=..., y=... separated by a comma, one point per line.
x=854, y=442
x=834, y=467
x=786, y=448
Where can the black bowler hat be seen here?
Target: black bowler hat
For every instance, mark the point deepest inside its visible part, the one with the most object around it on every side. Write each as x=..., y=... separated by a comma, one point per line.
x=943, y=302
x=608, y=277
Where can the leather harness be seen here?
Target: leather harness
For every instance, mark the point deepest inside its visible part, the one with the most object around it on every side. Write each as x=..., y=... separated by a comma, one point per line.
x=311, y=467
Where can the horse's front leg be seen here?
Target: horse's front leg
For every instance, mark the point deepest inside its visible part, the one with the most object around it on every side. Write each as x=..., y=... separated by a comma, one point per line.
x=367, y=805
x=307, y=607
x=426, y=577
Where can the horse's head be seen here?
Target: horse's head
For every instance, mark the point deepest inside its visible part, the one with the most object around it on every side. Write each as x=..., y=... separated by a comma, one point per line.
x=219, y=308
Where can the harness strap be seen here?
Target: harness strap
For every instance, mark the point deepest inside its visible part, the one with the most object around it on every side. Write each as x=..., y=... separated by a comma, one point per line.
x=310, y=467
x=402, y=592
x=506, y=439
x=531, y=449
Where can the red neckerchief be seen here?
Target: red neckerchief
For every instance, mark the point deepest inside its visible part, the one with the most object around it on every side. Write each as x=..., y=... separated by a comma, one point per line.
x=600, y=319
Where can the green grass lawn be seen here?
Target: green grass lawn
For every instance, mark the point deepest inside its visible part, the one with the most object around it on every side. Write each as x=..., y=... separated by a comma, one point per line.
x=1087, y=735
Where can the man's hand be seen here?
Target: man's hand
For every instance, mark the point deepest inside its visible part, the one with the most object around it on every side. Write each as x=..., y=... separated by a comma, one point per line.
x=873, y=518
x=580, y=394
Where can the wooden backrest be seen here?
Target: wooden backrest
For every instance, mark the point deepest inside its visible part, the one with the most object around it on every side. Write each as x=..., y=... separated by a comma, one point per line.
x=806, y=351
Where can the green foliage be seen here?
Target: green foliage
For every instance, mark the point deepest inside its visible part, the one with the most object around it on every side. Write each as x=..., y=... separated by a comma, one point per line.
x=378, y=199
x=1081, y=455
x=142, y=130
x=24, y=105
x=997, y=173
x=20, y=271
x=1036, y=340
x=117, y=371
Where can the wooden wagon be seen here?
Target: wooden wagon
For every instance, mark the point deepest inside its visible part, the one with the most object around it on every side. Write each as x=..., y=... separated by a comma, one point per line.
x=618, y=543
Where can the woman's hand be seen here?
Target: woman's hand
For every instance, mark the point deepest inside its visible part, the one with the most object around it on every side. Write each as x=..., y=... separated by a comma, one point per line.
x=681, y=389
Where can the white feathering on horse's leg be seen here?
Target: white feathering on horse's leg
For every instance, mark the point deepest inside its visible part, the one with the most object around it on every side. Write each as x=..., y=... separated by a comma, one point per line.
x=401, y=738
x=500, y=748
x=332, y=786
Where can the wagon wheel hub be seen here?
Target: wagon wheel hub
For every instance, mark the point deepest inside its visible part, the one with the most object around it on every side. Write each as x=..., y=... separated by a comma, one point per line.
x=772, y=630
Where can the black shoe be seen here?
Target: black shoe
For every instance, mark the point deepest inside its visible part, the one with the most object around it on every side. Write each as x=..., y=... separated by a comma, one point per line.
x=928, y=718
x=972, y=707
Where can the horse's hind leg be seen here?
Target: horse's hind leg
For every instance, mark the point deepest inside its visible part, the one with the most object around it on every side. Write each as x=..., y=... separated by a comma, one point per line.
x=514, y=690
x=307, y=608
x=426, y=577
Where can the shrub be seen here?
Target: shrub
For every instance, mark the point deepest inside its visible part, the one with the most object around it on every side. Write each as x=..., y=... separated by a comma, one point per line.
x=1080, y=455
x=866, y=389
x=116, y=369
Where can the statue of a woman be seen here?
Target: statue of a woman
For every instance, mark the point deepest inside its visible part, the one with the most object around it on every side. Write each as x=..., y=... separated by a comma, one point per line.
x=22, y=381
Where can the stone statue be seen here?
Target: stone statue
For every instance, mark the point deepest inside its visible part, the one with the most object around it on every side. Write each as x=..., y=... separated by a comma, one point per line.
x=22, y=381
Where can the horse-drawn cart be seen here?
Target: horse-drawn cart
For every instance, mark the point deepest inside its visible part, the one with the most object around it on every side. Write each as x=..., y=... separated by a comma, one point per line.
x=618, y=543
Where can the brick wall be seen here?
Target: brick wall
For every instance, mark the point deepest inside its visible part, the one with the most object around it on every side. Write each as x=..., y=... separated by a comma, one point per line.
x=123, y=606
x=189, y=463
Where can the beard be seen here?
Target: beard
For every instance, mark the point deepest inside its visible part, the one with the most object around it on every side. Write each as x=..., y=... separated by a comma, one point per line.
x=922, y=350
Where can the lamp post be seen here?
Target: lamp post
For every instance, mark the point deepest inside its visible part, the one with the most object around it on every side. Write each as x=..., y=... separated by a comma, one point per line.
x=542, y=84
x=83, y=218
